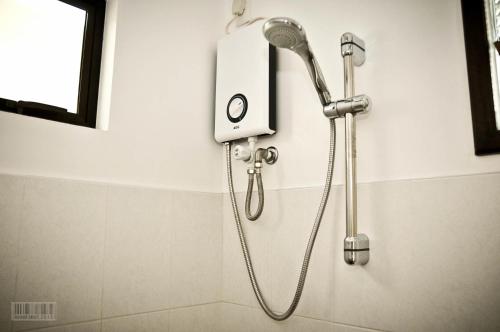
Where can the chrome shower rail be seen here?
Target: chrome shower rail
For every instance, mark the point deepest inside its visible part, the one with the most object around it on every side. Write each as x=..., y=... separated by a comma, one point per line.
x=356, y=246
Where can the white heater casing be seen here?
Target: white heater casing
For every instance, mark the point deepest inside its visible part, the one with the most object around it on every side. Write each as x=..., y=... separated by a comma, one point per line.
x=245, y=101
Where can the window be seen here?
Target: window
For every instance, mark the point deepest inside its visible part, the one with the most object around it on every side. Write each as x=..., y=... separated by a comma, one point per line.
x=50, y=58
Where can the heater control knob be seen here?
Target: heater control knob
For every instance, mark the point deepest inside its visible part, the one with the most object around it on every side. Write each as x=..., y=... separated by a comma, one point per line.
x=237, y=108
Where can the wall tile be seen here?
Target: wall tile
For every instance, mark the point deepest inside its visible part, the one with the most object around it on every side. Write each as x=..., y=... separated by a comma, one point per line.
x=239, y=318
x=432, y=247
x=242, y=318
x=153, y=322
x=236, y=283
x=291, y=235
x=84, y=327
x=138, y=236
x=61, y=248
x=196, y=245
x=433, y=242
x=158, y=321
x=11, y=196
x=202, y=318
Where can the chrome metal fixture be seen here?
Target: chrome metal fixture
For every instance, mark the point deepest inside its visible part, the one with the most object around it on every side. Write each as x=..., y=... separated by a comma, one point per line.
x=269, y=156
x=356, y=246
x=254, y=158
x=286, y=33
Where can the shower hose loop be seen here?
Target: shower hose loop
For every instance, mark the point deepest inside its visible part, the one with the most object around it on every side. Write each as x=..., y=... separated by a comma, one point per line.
x=312, y=237
x=248, y=200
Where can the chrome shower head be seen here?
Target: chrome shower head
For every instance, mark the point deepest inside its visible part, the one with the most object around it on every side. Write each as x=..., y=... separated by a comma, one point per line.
x=284, y=32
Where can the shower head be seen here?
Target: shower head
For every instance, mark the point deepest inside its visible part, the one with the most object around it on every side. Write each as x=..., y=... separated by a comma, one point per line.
x=284, y=32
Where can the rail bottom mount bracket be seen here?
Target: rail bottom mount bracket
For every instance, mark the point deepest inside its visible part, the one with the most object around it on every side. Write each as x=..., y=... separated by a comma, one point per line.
x=357, y=249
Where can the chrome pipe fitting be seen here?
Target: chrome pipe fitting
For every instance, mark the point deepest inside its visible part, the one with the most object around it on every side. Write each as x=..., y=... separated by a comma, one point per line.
x=269, y=155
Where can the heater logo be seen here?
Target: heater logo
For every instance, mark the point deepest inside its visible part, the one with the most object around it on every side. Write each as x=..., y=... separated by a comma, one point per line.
x=236, y=127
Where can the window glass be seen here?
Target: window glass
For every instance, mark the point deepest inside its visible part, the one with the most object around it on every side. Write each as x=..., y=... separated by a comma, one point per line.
x=41, y=51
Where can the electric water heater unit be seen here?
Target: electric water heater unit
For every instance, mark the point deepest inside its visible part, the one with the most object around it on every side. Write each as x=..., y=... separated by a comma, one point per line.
x=245, y=99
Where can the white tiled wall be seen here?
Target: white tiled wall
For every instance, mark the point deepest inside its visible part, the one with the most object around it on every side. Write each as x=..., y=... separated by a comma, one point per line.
x=247, y=319
x=112, y=253
x=119, y=258
x=11, y=197
x=61, y=248
x=433, y=256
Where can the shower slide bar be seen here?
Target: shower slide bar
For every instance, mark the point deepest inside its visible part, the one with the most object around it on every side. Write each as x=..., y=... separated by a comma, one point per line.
x=356, y=245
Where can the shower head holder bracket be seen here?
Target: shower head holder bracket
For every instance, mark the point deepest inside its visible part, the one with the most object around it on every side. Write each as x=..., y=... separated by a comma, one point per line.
x=339, y=108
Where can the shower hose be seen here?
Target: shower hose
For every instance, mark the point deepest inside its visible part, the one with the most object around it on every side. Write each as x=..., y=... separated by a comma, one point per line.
x=312, y=237
x=248, y=200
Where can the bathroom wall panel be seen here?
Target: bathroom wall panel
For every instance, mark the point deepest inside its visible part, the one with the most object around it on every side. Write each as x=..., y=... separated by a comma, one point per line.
x=147, y=322
x=61, y=246
x=201, y=318
x=161, y=106
x=246, y=319
x=108, y=251
x=236, y=285
x=432, y=255
x=11, y=197
x=420, y=125
x=137, y=253
x=195, y=248
x=163, y=250
x=94, y=326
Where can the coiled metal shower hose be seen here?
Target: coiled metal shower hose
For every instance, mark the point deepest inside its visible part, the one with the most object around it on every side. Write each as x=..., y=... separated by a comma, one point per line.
x=312, y=237
x=248, y=200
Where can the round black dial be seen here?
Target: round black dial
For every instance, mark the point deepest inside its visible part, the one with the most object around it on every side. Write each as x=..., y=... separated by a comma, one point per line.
x=237, y=108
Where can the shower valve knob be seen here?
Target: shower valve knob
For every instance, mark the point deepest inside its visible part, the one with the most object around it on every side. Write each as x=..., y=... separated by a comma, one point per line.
x=272, y=155
x=242, y=153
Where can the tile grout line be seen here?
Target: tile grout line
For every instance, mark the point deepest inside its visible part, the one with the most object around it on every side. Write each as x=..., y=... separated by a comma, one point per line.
x=123, y=316
x=103, y=260
x=222, y=190
x=167, y=208
x=221, y=268
x=20, y=217
x=417, y=179
x=311, y=318
x=106, y=182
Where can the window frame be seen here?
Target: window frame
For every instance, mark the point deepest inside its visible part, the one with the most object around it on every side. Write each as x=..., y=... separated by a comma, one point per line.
x=90, y=67
x=486, y=134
